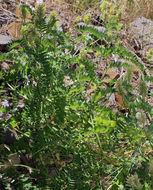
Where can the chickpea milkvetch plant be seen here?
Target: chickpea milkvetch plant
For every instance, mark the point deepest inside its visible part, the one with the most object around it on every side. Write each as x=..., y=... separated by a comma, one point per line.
x=70, y=142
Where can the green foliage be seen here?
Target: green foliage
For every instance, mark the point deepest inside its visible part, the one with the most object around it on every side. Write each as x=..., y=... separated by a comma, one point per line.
x=72, y=142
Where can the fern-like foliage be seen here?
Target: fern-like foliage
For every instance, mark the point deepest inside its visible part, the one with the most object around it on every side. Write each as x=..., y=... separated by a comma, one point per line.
x=61, y=127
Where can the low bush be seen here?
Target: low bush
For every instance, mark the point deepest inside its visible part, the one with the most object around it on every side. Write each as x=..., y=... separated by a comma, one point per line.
x=67, y=138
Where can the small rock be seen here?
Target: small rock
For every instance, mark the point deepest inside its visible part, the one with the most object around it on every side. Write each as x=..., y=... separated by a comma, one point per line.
x=141, y=30
x=112, y=100
x=4, y=42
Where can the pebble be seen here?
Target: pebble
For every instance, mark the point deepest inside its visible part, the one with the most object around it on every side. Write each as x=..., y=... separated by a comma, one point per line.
x=4, y=41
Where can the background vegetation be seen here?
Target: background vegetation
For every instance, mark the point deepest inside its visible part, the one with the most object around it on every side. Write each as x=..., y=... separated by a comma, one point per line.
x=131, y=8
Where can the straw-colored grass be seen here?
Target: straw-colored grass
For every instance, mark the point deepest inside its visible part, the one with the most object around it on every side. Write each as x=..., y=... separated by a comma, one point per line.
x=132, y=8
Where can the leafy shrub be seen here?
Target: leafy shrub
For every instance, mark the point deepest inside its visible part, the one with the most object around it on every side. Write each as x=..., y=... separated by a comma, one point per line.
x=71, y=142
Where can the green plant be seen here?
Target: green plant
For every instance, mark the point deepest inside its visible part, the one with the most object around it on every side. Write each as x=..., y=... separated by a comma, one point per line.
x=72, y=142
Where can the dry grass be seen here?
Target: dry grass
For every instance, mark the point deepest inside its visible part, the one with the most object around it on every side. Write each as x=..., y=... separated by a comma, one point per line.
x=70, y=9
x=137, y=9
x=132, y=8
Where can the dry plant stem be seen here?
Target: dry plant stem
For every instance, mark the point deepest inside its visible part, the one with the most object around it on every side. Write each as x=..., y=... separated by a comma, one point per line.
x=7, y=19
x=7, y=11
x=140, y=7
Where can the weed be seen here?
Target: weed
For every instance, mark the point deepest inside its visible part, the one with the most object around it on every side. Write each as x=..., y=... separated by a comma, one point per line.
x=69, y=142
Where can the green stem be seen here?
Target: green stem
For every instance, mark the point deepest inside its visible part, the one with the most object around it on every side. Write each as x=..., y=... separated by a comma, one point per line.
x=97, y=136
